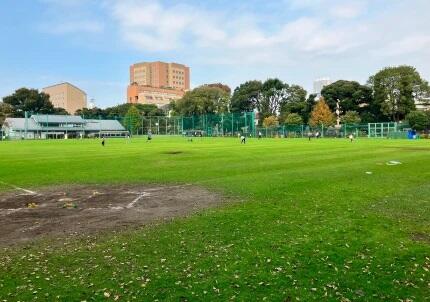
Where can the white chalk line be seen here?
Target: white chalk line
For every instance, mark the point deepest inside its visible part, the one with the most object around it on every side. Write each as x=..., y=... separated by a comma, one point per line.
x=128, y=206
x=139, y=197
x=159, y=189
x=19, y=188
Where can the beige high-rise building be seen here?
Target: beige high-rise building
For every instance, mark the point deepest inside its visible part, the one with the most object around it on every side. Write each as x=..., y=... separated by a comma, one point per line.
x=67, y=96
x=157, y=82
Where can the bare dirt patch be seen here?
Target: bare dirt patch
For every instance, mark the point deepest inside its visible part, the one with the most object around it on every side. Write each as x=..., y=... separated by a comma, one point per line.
x=421, y=237
x=65, y=210
x=173, y=152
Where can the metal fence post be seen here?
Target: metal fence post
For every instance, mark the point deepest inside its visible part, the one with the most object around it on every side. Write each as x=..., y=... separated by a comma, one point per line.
x=26, y=124
x=232, y=124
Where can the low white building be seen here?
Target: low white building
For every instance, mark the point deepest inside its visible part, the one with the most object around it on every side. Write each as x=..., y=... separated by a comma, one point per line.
x=60, y=126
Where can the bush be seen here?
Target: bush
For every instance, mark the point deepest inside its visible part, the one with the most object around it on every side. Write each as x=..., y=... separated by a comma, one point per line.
x=351, y=117
x=270, y=121
x=418, y=120
x=293, y=119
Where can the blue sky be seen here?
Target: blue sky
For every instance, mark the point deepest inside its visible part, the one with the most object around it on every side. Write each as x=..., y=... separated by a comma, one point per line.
x=92, y=43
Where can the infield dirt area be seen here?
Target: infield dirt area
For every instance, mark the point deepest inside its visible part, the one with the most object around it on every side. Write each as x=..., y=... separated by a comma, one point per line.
x=78, y=209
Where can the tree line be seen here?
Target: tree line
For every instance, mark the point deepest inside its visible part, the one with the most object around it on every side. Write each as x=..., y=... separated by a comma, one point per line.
x=389, y=95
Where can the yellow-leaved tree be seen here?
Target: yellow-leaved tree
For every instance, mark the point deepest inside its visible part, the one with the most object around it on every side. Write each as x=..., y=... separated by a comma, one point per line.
x=322, y=115
x=270, y=121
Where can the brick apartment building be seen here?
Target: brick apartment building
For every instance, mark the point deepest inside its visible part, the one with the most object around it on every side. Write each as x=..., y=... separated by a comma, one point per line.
x=157, y=83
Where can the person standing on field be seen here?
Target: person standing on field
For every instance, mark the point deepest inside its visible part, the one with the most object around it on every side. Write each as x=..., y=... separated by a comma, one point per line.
x=351, y=137
x=103, y=141
x=259, y=134
x=149, y=136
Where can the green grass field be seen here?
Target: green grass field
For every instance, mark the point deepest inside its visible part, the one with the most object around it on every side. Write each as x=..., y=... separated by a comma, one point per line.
x=305, y=222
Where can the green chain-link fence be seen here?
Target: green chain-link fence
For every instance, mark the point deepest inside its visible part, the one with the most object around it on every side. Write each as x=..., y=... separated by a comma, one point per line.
x=225, y=124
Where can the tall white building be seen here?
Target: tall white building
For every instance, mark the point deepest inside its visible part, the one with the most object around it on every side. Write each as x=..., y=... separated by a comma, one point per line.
x=91, y=104
x=319, y=84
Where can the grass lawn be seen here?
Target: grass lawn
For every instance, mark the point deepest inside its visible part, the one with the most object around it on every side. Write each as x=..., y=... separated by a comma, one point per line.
x=305, y=222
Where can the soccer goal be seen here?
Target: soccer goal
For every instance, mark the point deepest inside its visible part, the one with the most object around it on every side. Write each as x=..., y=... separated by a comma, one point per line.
x=381, y=129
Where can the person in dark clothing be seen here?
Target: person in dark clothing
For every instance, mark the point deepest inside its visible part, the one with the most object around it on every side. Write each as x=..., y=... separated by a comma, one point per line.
x=243, y=139
x=103, y=141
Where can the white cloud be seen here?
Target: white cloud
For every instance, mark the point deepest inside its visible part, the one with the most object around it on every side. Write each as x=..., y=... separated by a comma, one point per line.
x=303, y=39
x=153, y=27
x=407, y=46
x=347, y=10
x=150, y=26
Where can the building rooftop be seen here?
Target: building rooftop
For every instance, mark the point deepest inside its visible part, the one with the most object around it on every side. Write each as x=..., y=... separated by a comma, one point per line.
x=58, y=119
x=65, y=83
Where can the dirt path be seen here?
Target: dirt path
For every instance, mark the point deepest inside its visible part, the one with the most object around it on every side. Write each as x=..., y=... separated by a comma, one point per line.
x=65, y=210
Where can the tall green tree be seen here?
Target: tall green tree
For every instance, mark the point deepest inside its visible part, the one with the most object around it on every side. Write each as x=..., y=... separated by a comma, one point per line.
x=395, y=91
x=352, y=96
x=203, y=100
x=272, y=98
x=245, y=96
x=30, y=100
x=295, y=101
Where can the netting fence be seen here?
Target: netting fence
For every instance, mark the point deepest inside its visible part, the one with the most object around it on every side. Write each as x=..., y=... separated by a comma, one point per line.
x=371, y=130
x=226, y=124
x=300, y=131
